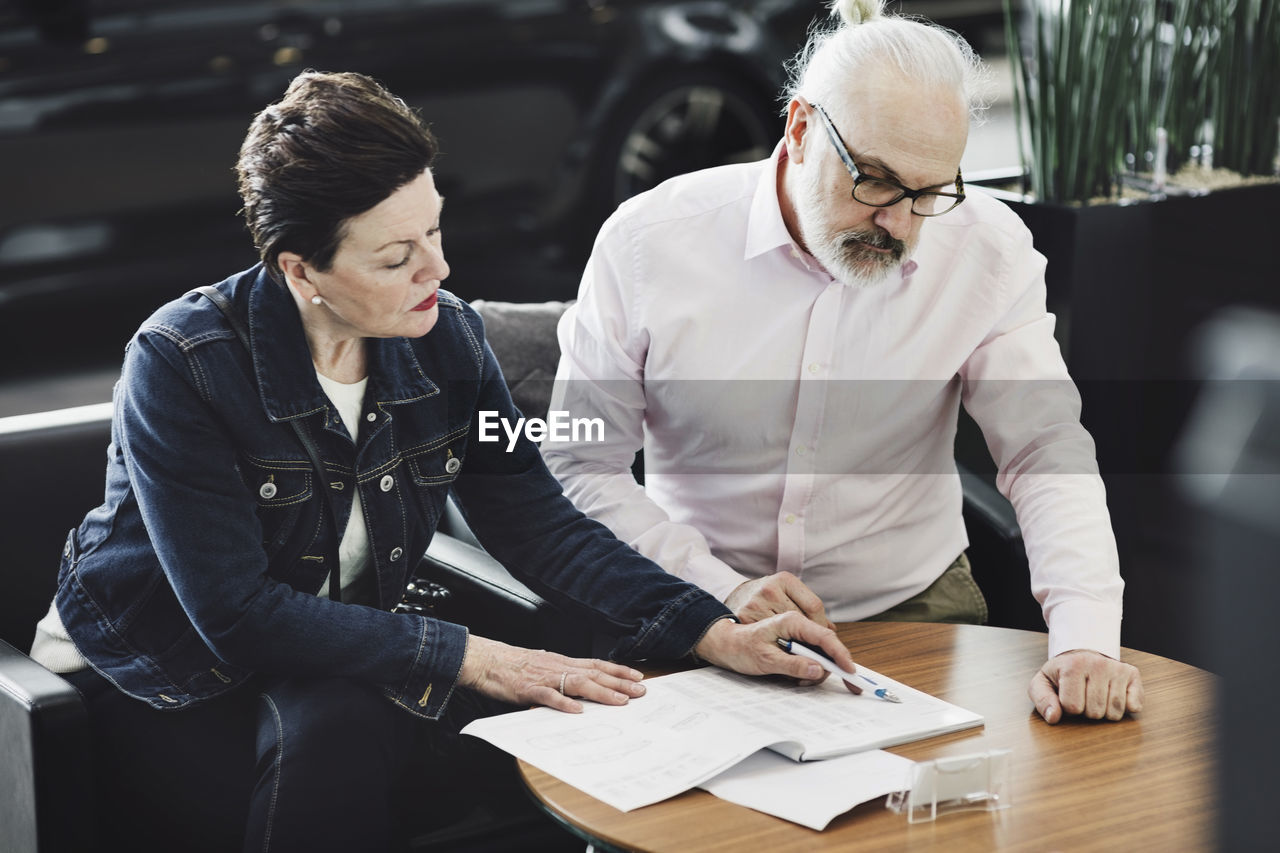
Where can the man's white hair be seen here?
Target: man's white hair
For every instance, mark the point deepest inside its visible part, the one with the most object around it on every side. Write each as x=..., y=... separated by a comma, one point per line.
x=866, y=39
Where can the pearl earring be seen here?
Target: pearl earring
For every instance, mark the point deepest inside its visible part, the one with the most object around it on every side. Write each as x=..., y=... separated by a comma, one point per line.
x=316, y=300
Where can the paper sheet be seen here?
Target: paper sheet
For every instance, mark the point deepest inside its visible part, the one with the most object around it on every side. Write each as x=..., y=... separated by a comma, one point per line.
x=693, y=725
x=652, y=748
x=810, y=793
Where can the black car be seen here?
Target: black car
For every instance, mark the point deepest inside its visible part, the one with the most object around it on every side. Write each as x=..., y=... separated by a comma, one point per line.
x=120, y=121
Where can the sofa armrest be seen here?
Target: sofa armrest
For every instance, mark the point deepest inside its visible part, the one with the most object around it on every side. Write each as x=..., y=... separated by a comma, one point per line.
x=453, y=523
x=984, y=503
x=45, y=772
x=490, y=602
x=998, y=555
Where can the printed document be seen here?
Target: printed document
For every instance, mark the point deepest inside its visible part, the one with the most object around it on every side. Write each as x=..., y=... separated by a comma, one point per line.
x=691, y=726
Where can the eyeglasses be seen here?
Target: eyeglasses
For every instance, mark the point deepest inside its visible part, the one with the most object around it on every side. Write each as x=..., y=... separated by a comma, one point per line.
x=882, y=192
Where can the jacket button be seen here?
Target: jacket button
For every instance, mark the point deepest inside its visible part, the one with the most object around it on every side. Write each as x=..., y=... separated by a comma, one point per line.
x=387, y=482
x=396, y=553
x=268, y=491
x=371, y=417
x=66, y=550
x=453, y=465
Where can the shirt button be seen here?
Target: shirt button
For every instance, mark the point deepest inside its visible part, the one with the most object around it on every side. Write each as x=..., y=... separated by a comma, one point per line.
x=387, y=482
x=801, y=450
x=790, y=519
x=453, y=465
x=268, y=491
x=815, y=367
x=371, y=417
x=396, y=553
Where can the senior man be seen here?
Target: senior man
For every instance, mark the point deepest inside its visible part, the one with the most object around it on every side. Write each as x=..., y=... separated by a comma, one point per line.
x=790, y=340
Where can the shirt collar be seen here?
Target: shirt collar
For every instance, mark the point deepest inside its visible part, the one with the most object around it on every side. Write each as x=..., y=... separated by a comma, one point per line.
x=766, y=229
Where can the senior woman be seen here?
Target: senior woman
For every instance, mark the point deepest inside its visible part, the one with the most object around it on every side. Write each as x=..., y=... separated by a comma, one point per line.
x=232, y=697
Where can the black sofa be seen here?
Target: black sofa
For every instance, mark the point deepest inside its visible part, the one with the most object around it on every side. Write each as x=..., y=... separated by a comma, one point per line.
x=54, y=464
x=52, y=467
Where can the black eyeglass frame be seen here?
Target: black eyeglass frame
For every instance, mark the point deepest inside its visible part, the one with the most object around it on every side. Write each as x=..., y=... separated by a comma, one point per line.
x=858, y=178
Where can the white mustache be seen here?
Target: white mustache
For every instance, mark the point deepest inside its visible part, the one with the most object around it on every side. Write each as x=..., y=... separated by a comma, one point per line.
x=880, y=240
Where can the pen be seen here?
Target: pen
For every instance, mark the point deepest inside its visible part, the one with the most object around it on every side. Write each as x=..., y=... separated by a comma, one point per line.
x=804, y=650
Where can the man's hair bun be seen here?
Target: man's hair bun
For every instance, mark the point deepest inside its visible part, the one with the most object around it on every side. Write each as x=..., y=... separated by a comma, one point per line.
x=854, y=12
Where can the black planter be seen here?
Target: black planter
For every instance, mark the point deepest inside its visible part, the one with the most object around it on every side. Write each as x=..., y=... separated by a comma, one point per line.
x=1130, y=284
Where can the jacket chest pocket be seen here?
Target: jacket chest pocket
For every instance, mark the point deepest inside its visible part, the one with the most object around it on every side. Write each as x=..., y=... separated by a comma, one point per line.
x=432, y=472
x=437, y=467
x=280, y=489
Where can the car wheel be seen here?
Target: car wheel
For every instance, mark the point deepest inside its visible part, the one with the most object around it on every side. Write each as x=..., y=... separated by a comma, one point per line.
x=683, y=126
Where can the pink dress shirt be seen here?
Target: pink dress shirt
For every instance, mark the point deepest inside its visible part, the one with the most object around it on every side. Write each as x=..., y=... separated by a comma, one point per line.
x=791, y=422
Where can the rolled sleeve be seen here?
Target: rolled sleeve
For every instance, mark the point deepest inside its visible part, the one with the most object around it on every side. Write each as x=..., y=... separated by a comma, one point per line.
x=433, y=676
x=678, y=628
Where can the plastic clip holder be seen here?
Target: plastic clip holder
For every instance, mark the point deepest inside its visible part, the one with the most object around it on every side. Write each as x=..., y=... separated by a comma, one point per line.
x=977, y=781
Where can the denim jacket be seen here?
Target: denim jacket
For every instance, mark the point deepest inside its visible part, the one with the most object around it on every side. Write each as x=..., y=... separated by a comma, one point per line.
x=202, y=565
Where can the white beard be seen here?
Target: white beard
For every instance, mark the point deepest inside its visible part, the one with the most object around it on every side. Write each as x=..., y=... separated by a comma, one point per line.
x=854, y=264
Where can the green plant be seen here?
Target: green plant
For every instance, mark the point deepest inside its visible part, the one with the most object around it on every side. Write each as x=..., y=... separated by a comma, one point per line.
x=1245, y=86
x=1094, y=80
x=1073, y=89
x=1175, y=44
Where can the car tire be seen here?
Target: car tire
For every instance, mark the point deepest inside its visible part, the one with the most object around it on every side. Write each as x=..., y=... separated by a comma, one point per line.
x=695, y=121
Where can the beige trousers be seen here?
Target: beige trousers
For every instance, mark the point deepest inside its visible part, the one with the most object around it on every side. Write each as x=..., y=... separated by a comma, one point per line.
x=953, y=597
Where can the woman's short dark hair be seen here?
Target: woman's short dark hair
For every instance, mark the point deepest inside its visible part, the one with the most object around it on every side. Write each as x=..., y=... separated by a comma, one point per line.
x=333, y=147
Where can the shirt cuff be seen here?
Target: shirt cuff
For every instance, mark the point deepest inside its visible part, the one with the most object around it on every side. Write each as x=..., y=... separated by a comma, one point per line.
x=713, y=575
x=1085, y=624
x=434, y=673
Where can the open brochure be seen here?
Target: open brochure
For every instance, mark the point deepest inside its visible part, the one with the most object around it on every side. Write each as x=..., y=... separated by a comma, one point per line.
x=693, y=725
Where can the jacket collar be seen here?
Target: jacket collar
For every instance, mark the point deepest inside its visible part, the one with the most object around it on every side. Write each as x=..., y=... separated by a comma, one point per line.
x=282, y=363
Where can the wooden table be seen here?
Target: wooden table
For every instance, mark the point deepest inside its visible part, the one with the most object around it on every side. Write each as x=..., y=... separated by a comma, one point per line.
x=1145, y=783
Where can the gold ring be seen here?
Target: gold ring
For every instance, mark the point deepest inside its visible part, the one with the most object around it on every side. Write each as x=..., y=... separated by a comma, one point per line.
x=563, y=676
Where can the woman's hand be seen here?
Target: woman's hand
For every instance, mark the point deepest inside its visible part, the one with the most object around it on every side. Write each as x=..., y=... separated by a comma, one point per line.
x=752, y=649
x=530, y=677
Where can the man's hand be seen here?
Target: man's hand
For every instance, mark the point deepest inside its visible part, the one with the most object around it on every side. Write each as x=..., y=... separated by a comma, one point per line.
x=753, y=649
x=763, y=597
x=1086, y=682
